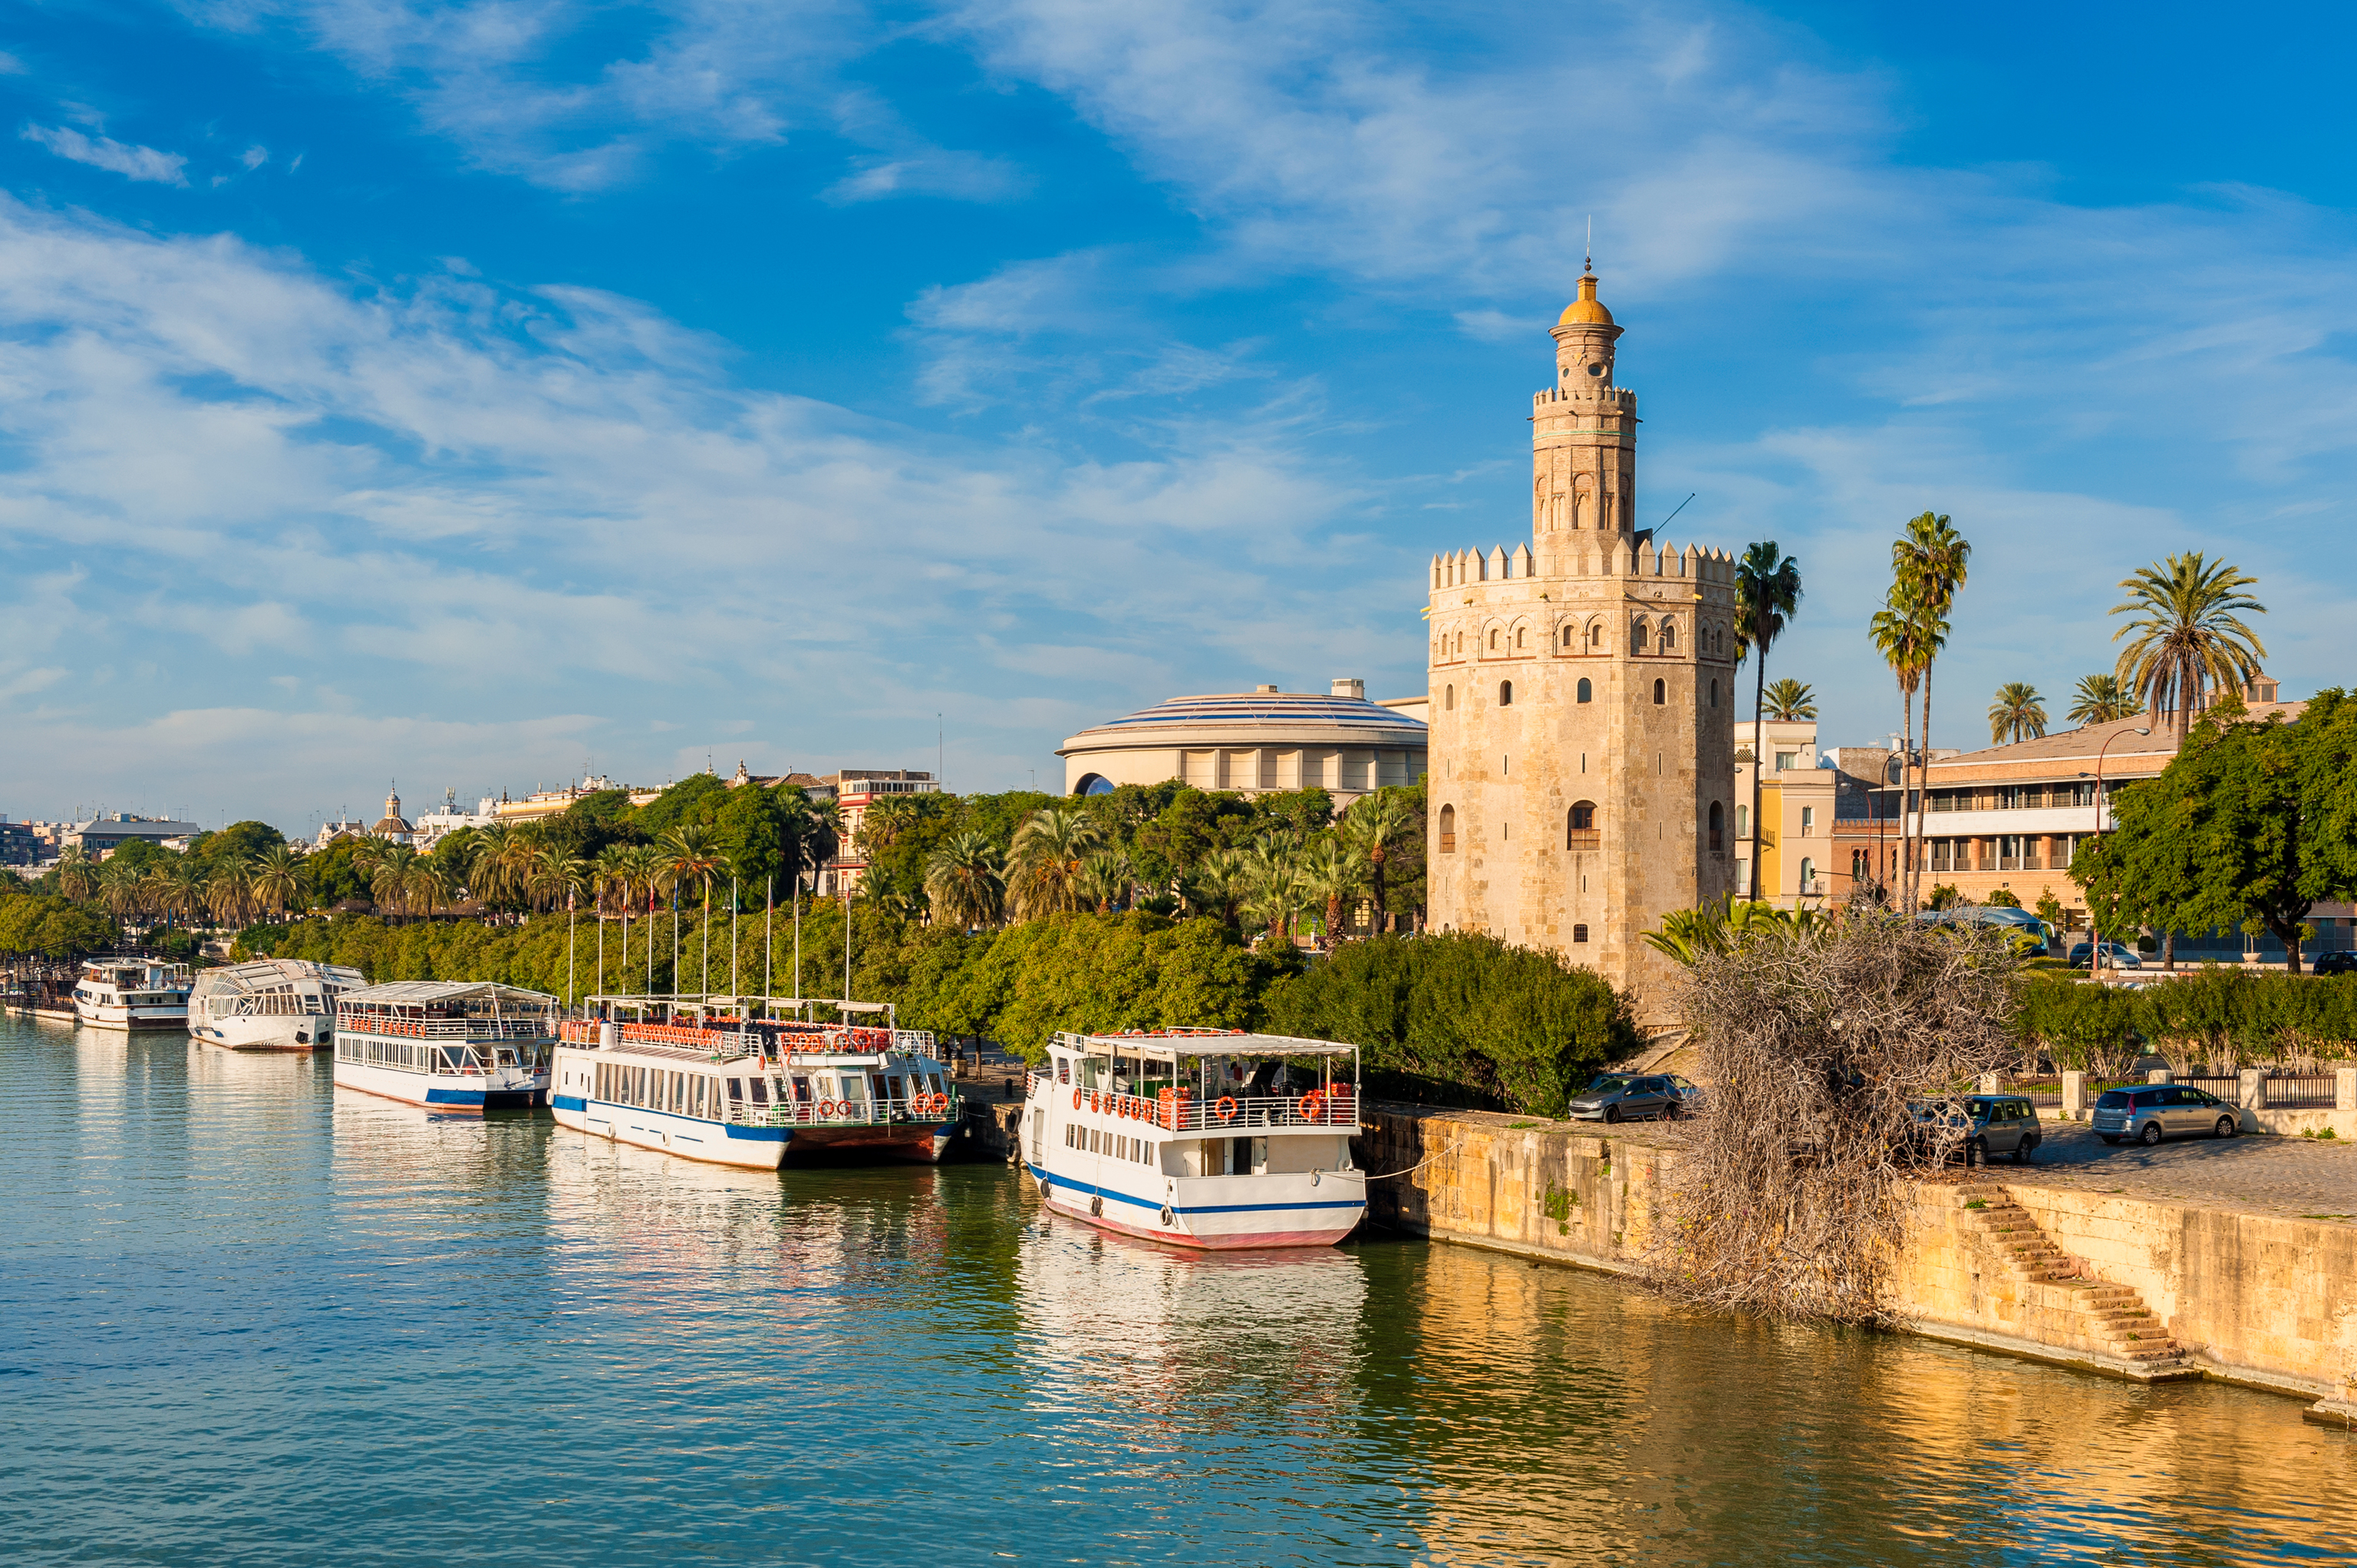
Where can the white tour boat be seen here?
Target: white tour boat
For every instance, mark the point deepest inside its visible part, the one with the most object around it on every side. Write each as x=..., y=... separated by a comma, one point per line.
x=1200, y=1137
x=270, y=1005
x=721, y=1078
x=457, y=1045
x=132, y=993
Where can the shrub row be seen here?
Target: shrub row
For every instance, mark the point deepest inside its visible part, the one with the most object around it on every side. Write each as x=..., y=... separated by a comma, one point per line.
x=2213, y=1013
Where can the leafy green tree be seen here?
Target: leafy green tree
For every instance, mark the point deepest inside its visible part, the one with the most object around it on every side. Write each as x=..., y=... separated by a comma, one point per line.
x=2187, y=638
x=2004, y=898
x=2251, y=820
x=333, y=878
x=1459, y=1016
x=52, y=927
x=238, y=843
x=2050, y=909
x=1767, y=595
x=694, y=801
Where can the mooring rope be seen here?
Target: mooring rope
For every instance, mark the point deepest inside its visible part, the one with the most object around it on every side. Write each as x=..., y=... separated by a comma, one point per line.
x=1418, y=1165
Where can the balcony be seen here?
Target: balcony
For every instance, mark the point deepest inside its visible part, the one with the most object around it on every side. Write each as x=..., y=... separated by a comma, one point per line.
x=1583, y=838
x=2038, y=820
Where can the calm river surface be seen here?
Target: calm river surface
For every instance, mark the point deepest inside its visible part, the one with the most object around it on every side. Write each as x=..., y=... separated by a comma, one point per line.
x=247, y=1319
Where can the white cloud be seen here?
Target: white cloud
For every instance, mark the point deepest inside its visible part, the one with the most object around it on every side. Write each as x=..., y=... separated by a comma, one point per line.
x=541, y=517
x=116, y=157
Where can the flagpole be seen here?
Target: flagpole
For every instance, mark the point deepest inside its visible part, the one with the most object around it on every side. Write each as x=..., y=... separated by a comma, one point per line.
x=568, y=951
x=732, y=936
x=768, y=931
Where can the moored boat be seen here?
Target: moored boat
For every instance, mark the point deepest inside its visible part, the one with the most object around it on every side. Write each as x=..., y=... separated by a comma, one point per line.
x=456, y=1045
x=723, y=1080
x=270, y=1003
x=132, y=993
x=1204, y=1138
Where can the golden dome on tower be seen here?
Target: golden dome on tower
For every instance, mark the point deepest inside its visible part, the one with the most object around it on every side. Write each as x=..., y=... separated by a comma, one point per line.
x=1585, y=311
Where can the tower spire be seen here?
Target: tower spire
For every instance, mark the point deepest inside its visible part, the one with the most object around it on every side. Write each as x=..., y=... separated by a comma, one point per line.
x=1587, y=260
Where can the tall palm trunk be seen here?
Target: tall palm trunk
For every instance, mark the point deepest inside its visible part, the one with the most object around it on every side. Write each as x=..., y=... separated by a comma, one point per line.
x=1375, y=864
x=1900, y=894
x=1922, y=794
x=1759, y=764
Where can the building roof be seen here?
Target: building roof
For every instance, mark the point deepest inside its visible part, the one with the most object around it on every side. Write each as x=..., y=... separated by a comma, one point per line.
x=1236, y=717
x=2071, y=750
x=1586, y=310
x=413, y=992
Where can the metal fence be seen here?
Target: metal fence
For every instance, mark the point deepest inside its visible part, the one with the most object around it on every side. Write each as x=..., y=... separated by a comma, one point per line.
x=2292, y=1091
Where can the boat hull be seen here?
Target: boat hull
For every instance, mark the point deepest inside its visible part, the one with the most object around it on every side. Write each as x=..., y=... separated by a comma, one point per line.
x=1320, y=1217
x=116, y=1016
x=285, y=1032
x=446, y=1091
x=689, y=1137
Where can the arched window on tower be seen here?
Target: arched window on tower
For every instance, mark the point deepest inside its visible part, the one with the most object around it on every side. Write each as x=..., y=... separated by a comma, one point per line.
x=1586, y=691
x=1713, y=693
x=1640, y=634
x=1505, y=693
x=1448, y=699
x=1493, y=639
x=1522, y=637
x=1449, y=829
x=1579, y=830
x=1718, y=828
x=1669, y=637
x=1661, y=693
x=1566, y=637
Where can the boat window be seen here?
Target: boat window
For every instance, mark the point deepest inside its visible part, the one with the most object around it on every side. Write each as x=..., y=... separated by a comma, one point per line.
x=737, y=1090
x=1063, y=1071
x=760, y=1086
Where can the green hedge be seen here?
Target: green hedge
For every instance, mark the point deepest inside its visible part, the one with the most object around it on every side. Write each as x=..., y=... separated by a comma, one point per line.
x=52, y=926
x=1460, y=1019
x=2211, y=1011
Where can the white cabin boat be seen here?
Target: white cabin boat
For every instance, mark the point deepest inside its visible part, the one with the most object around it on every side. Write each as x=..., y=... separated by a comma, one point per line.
x=456, y=1044
x=132, y=993
x=1199, y=1137
x=718, y=1078
x=270, y=1005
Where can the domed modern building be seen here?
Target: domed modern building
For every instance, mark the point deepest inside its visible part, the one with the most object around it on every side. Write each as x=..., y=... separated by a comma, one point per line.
x=1255, y=741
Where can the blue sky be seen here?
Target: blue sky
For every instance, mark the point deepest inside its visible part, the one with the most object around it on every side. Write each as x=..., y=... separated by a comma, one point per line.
x=468, y=392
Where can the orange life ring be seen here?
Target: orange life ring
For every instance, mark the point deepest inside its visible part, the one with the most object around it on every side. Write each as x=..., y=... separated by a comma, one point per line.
x=1227, y=1107
x=941, y=1104
x=1308, y=1106
x=1076, y=1098
x=826, y=1108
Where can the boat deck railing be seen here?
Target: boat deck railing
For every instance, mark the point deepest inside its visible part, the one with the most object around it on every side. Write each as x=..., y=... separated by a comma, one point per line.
x=843, y=1112
x=1334, y=1107
x=442, y=1028
x=801, y=1050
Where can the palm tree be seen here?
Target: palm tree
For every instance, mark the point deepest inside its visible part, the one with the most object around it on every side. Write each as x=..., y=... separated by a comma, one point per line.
x=1330, y=872
x=1930, y=560
x=1217, y=883
x=278, y=878
x=639, y=871
x=1107, y=877
x=1044, y=864
x=1369, y=829
x=1272, y=875
x=77, y=874
x=1790, y=700
x=557, y=877
x=688, y=855
x=881, y=825
x=2100, y=700
x=183, y=886
x=1767, y=595
x=389, y=880
x=2018, y=713
x=121, y=889
x=966, y=882
x=228, y=894
x=1899, y=631
x=2188, y=636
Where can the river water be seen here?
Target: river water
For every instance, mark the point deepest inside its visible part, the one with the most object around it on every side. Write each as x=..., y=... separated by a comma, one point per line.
x=245, y=1318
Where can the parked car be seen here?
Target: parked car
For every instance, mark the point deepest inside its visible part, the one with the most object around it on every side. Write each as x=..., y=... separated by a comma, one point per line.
x=2116, y=955
x=2034, y=934
x=1626, y=1097
x=1983, y=1126
x=2334, y=964
x=2162, y=1110
x=1689, y=1093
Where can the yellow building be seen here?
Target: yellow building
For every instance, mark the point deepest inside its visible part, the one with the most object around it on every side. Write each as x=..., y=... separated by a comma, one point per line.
x=1797, y=798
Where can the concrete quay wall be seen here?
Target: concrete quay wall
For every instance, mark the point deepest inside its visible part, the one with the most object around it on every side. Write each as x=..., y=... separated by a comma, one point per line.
x=2250, y=1298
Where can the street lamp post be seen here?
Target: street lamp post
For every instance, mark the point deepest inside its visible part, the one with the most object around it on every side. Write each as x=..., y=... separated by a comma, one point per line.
x=2095, y=935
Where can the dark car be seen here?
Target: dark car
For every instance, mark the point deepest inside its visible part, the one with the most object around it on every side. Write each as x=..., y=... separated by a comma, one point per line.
x=2335, y=963
x=1689, y=1093
x=2116, y=955
x=1982, y=1126
x=1626, y=1097
x=2159, y=1110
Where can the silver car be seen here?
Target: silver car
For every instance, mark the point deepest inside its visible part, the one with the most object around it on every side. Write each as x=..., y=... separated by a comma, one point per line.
x=1984, y=1126
x=2160, y=1111
x=1627, y=1097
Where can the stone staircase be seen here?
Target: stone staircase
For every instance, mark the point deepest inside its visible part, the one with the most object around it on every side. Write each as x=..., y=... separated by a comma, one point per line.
x=2059, y=1301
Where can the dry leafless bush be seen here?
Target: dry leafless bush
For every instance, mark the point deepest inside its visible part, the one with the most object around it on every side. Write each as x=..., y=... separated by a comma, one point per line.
x=1792, y=1190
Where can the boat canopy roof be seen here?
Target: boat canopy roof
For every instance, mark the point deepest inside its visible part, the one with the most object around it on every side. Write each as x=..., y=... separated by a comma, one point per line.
x=1169, y=1045
x=694, y=1002
x=427, y=993
x=276, y=974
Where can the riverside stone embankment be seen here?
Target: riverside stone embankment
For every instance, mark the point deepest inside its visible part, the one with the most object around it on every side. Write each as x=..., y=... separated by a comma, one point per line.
x=2135, y=1285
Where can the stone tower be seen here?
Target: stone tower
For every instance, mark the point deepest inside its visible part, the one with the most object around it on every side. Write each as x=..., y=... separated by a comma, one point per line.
x=1582, y=777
